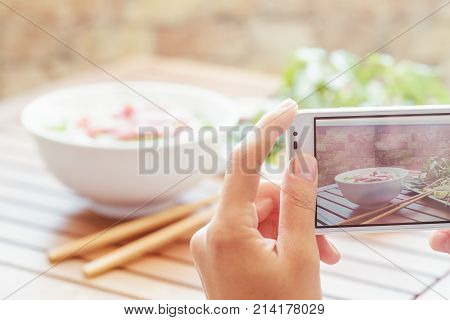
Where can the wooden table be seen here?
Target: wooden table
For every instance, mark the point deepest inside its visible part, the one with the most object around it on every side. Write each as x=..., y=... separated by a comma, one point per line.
x=37, y=212
x=334, y=208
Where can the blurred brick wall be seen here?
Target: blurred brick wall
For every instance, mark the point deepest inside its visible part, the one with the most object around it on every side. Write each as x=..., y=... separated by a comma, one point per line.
x=257, y=34
x=346, y=148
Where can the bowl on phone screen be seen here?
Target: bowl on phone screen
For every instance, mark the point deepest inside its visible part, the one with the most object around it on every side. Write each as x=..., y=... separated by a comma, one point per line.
x=89, y=138
x=371, y=187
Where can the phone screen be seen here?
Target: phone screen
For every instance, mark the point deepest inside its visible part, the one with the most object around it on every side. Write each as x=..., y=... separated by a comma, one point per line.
x=382, y=170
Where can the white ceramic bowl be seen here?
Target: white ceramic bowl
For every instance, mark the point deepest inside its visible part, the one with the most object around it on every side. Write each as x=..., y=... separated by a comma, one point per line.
x=109, y=174
x=372, y=194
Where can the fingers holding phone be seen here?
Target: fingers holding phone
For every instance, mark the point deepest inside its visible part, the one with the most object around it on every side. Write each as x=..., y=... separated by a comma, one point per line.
x=261, y=244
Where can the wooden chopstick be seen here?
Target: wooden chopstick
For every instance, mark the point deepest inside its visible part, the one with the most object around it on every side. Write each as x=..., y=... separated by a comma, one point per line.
x=382, y=209
x=401, y=205
x=146, y=244
x=124, y=231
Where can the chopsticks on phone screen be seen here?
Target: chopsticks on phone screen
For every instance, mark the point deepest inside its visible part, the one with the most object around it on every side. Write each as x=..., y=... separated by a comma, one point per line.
x=399, y=205
x=386, y=210
x=175, y=221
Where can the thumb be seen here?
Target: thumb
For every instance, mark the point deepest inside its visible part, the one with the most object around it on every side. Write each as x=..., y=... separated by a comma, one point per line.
x=298, y=206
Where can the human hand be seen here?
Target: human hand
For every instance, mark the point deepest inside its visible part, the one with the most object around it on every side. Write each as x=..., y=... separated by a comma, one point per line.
x=440, y=241
x=261, y=243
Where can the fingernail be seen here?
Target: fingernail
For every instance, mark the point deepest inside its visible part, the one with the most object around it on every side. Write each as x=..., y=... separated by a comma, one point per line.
x=305, y=167
x=287, y=104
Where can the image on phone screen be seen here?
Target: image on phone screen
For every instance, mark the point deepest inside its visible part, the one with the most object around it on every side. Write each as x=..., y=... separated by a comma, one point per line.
x=382, y=170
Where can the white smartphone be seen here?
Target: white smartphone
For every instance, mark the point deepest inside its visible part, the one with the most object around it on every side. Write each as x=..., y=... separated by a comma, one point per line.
x=380, y=169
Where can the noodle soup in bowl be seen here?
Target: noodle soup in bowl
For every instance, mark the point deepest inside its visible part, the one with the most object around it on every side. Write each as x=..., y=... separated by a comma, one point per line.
x=371, y=187
x=91, y=139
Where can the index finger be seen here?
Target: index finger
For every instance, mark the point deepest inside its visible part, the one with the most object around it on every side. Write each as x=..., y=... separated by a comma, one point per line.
x=242, y=177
